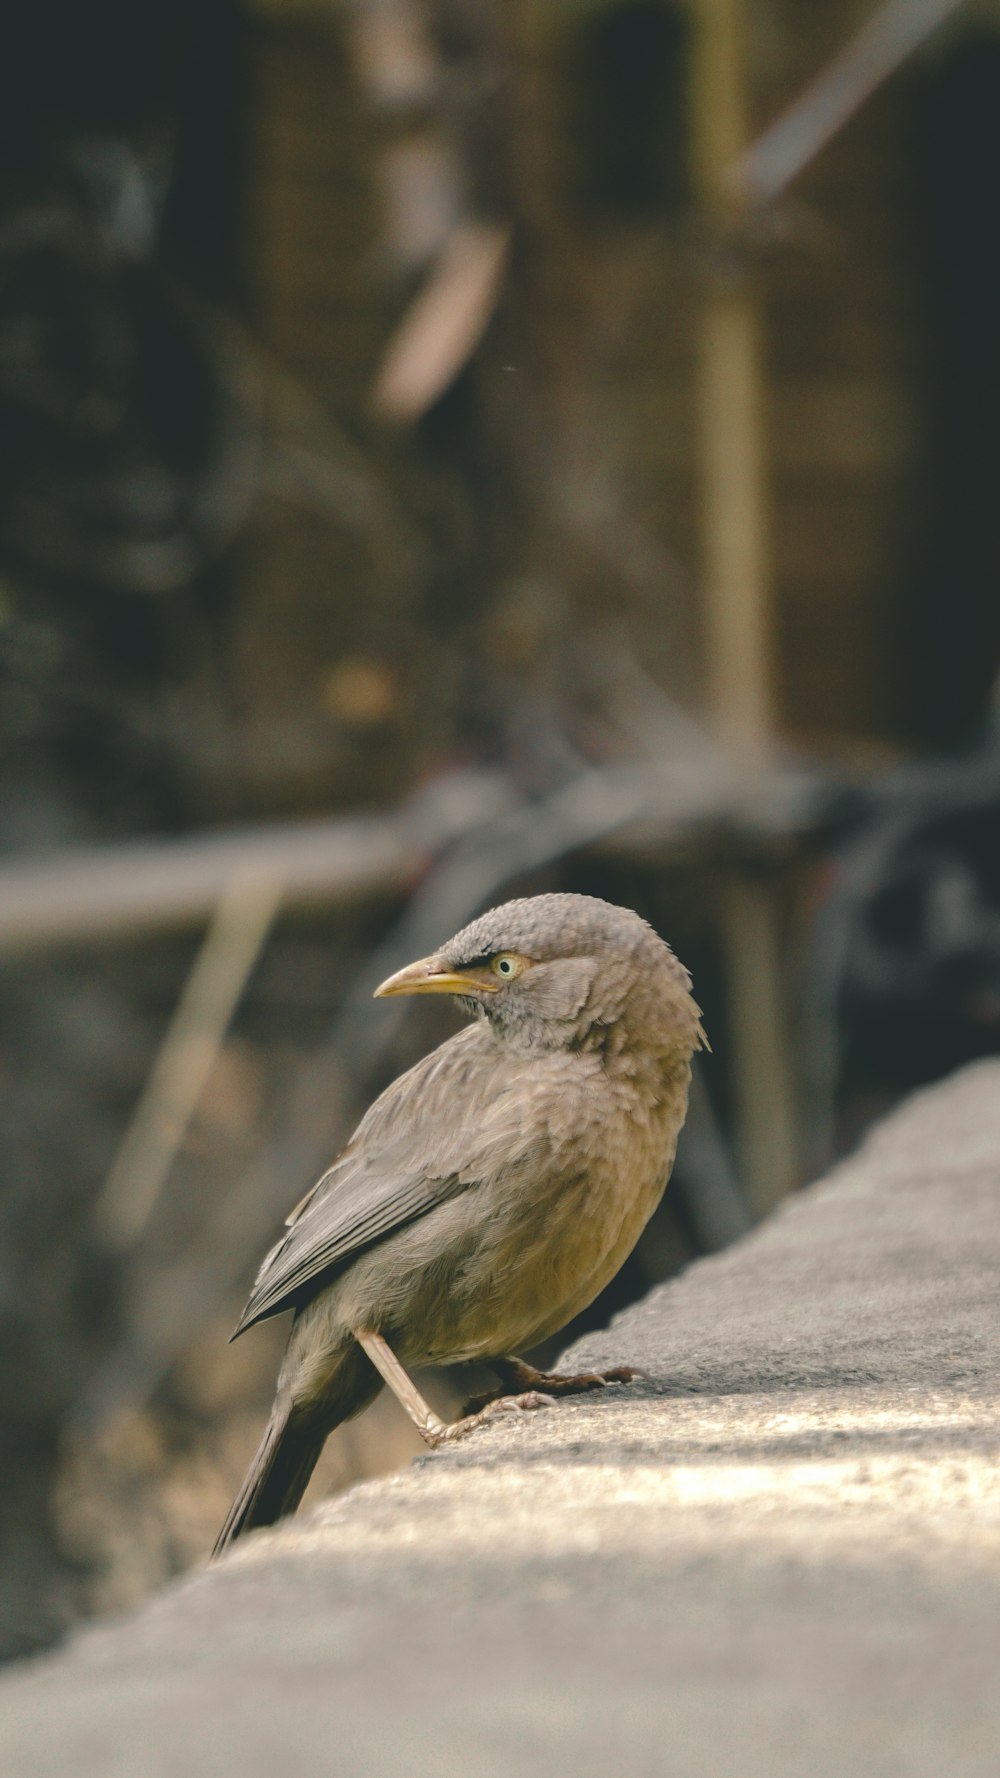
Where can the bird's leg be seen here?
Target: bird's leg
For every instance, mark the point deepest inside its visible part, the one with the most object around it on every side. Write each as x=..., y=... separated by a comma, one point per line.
x=429, y=1425
x=432, y=1429
x=515, y=1374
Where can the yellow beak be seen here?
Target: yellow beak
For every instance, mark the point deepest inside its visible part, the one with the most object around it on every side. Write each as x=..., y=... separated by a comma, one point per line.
x=430, y=976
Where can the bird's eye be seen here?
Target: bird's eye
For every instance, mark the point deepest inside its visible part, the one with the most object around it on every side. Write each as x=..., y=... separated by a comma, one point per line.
x=507, y=967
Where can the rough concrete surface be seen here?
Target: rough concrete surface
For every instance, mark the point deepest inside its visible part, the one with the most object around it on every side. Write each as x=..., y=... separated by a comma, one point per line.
x=780, y=1555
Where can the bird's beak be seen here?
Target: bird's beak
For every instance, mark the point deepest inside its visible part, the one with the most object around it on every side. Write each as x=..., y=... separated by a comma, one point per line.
x=431, y=976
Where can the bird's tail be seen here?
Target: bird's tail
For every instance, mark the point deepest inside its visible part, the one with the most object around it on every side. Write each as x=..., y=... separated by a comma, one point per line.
x=278, y=1476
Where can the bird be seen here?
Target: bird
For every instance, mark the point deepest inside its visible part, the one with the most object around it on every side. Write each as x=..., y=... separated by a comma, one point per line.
x=491, y=1192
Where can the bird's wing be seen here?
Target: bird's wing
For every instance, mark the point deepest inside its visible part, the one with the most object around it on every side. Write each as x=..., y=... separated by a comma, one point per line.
x=435, y=1132
x=355, y=1208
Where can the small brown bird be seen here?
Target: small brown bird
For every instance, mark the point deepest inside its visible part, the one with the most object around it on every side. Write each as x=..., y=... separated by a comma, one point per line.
x=491, y=1192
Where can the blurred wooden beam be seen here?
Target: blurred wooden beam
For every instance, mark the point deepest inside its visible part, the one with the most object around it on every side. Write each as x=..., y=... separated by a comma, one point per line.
x=114, y=891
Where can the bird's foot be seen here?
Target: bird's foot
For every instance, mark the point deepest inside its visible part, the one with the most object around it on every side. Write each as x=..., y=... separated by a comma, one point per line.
x=526, y=1402
x=515, y=1374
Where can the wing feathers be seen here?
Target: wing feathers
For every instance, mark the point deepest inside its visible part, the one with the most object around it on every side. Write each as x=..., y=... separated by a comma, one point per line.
x=336, y=1227
x=434, y=1133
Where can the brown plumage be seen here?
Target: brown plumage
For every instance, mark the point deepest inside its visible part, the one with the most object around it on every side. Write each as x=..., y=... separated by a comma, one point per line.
x=492, y=1191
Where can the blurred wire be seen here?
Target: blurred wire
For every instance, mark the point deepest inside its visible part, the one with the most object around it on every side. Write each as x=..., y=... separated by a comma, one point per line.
x=904, y=979
x=795, y=138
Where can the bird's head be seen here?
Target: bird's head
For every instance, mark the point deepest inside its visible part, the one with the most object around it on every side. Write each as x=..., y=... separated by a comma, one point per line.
x=559, y=971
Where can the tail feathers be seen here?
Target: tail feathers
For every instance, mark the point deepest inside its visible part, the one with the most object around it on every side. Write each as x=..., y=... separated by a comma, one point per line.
x=277, y=1478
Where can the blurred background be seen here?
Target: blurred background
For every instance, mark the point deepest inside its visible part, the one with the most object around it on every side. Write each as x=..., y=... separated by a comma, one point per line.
x=454, y=449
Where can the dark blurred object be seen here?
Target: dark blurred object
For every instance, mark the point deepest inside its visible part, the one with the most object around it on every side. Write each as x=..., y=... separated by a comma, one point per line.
x=134, y=71
x=632, y=111
x=126, y=456
x=908, y=943
x=950, y=631
x=129, y=422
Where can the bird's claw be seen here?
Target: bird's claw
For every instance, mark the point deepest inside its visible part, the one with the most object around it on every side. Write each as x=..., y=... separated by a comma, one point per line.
x=625, y=1373
x=528, y=1402
x=547, y=1384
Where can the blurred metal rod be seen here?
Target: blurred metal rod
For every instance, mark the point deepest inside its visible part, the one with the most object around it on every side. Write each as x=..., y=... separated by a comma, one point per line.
x=882, y=45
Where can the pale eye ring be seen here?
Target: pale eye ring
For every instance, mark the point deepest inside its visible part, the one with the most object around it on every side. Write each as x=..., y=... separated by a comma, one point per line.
x=506, y=967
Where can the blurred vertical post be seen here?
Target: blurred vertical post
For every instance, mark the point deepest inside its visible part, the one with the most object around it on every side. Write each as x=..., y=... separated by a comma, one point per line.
x=735, y=583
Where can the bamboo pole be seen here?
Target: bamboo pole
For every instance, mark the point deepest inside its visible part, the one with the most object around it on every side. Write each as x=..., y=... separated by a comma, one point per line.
x=231, y=948
x=736, y=591
x=730, y=401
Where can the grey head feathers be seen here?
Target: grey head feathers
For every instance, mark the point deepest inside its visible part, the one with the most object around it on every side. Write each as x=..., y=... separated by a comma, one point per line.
x=548, y=926
x=591, y=967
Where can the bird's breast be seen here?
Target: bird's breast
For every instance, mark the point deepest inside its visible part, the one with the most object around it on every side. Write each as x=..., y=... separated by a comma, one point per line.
x=542, y=1239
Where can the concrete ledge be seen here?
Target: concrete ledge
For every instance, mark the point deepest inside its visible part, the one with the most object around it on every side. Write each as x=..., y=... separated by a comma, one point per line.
x=780, y=1556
